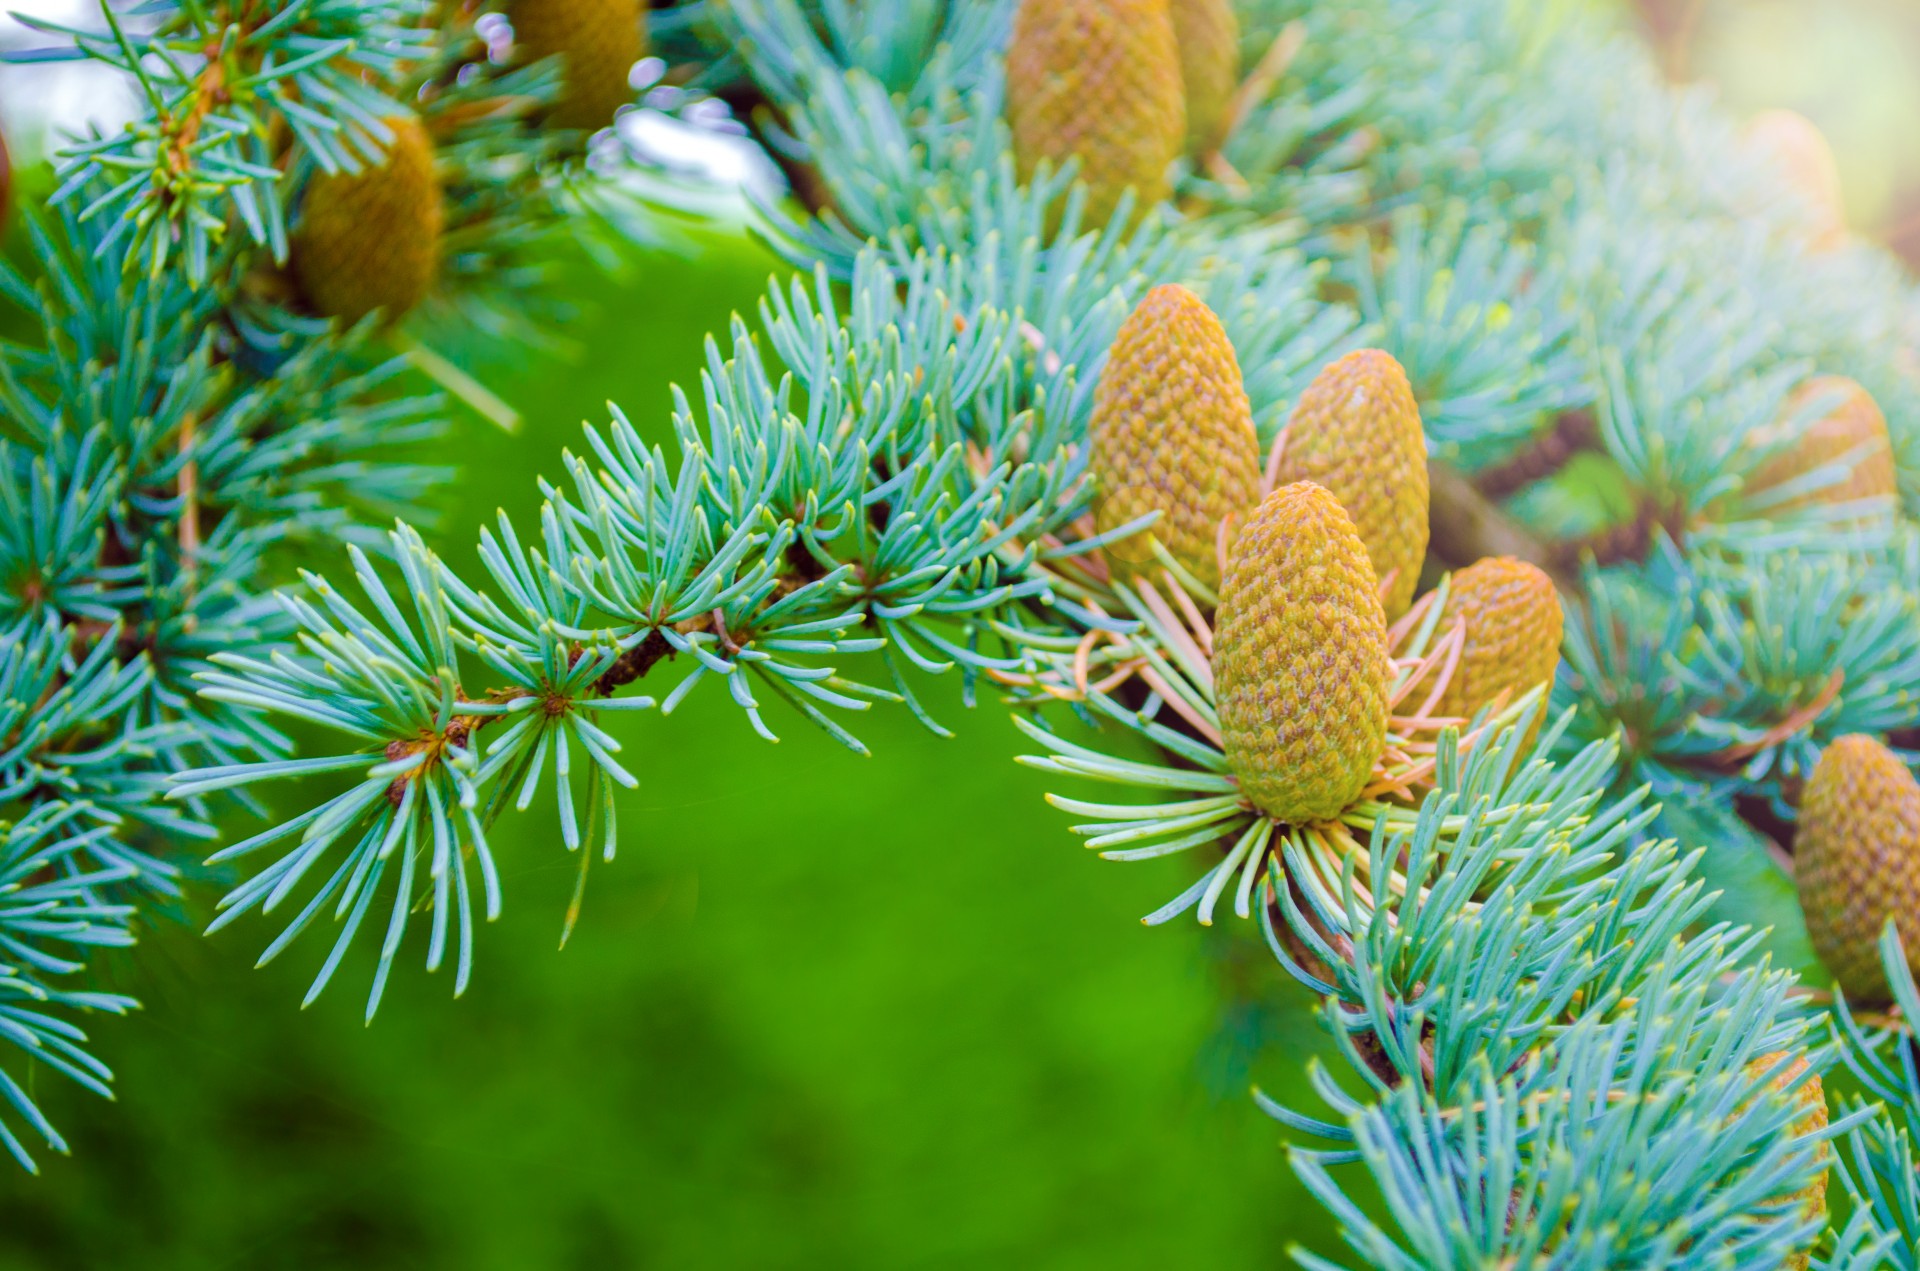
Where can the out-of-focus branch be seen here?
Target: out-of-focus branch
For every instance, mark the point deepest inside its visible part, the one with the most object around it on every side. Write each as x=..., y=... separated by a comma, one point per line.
x=1466, y=525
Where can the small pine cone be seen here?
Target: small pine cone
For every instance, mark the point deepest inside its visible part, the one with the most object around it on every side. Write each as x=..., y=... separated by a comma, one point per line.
x=1854, y=426
x=1356, y=431
x=1811, y=1099
x=1209, y=36
x=1800, y=150
x=1172, y=431
x=1857, y=860
x=600, y=41
x=1097, y=81
x=1300, y=658
x=371, y=239
x=1513, y=622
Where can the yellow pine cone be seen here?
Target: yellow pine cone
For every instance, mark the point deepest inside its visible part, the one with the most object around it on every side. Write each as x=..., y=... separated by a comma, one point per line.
x=1209, y=36
x=1857, y=860
x=1097, y=81
x=600, y=40
x=1800, y=150
x=1356, y=431
x=1514, y=621
x=1300, y=658
x=1854, y=426
x=371, y=240
x=1172, y=431
x=1810, y=1098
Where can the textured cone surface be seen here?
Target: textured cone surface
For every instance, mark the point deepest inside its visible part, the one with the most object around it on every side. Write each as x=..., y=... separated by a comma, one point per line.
x=1300, y=657
x=1356, y=431
x=371, y=240
x=1800, y=150
x=1853, y=429
x=1172, y=432
x=1209, y=36
x=1513, y=622
x=1811, y=1101
x=1857, y=860
x=600, y=41
x=1098, y=81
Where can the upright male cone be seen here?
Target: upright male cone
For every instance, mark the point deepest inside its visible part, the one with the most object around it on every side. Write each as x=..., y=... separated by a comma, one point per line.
x=1209, y=36
x=1172, y=432
x=1853, y=432
x=1799, y=149
x=1857, y=860
x=1513, y=625
x=1098, y=81
x=1810, y=1100
x=1300, y=658
x=599, y=40
x=371, y=239
x=1356, y=431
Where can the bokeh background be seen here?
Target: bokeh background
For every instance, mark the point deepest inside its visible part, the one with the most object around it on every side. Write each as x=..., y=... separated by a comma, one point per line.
x=822, y=1011
x=1851, y=66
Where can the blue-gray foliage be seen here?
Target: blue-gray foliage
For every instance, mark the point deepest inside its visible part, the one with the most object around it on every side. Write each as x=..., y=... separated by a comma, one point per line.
x=1555, y=1054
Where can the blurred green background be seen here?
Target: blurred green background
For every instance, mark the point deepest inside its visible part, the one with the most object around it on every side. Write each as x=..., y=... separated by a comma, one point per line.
x=822, y=1011
x=1851, y=66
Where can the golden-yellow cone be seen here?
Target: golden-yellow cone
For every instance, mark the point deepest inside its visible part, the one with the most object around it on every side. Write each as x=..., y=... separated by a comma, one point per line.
x=600, y=41
x=1810, y=1100
x=1513, y=626
x=1356, y=431
x=1172, y=432
x=371, y=240
x=1209, y=36
x=1852, y=430
x=1800, y=150
x=1300, y=658
x=1097, y=81
x=1857, y=860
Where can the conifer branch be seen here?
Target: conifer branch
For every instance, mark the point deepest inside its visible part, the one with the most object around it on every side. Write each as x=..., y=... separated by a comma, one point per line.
x=182, y=414
x=1519, y=967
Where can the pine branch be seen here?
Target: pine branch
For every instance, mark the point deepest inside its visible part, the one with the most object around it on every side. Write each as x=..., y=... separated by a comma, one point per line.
x=185, y=411
x=1521, y=974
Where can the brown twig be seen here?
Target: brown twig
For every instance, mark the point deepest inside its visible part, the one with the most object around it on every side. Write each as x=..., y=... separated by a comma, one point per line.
x=1573, y=432
x=1672, y=24
x=1259, y=82
x=1630, y=541
x=1465, y=525
x=634, y=663
x=1793, y=723
x=1251, y=91
x=182, y=131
